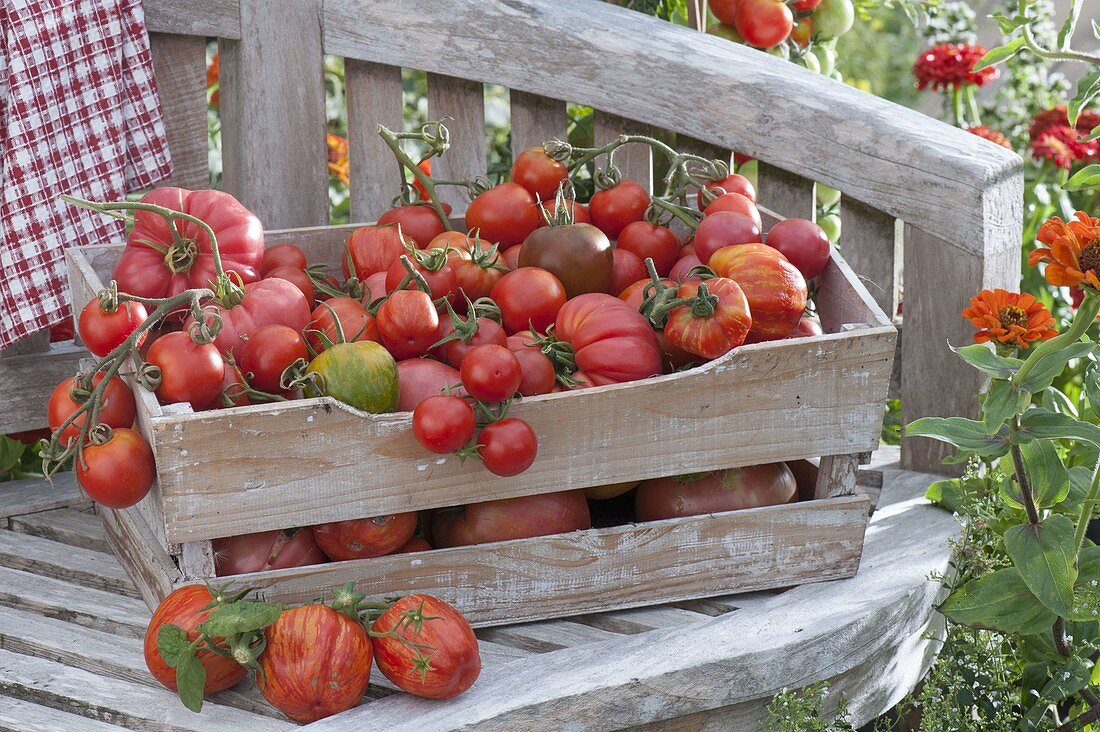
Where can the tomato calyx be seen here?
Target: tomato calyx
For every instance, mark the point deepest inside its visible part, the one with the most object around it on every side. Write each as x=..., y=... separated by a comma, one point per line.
x=561, y=356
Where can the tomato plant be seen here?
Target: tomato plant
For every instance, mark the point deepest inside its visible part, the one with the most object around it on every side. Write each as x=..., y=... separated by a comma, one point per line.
x=189, y=372
x=528, y=297
x=116, y=468
x=503, y=215
x=443, y=424
x=803, y=243
x=507, y=447
x=511, y=518
x=724, y=229
x=418, y=222
x=715, y=321
x=613, y=208
x=408, y=323
x=269, y=352
x=579, y=255
x=365, y=537
x=578, y=212
x=539, y=173
x=117, y=408
x=235, y=387
x=491, y=373
x=103, y=331
x=264, y=550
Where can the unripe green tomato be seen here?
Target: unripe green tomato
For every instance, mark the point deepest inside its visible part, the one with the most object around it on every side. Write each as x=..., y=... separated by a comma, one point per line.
x=750, y=170
x=834, y=18
x=831, y=225
x=780, y=51
x=837, y=75
x=826, y=196
x=826, y=58
x=725, y=31
x=810, y=62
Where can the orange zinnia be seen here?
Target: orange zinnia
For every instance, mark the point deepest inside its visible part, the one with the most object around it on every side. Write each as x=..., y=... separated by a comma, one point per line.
x=1010, y=318
x=338, y=157
x=1073, y=251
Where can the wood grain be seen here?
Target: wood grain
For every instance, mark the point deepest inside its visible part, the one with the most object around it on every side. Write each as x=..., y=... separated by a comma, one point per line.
x=869, y=244
x=68, y=563
x=151, y=569
x=66, y=526
x=373, y=94
x=464, y=102
x=535, y=120
x=836, y=476
x=37, y=494
x=217, y=18
x=634, y=161
x=789, y=195
x=19, y=715
x=26, y=381
x=54, y=598
x=179, y=62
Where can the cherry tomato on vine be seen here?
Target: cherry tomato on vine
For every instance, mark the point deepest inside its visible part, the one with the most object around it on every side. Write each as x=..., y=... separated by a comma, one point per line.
x=269, y=352
x=297, y=277
x=508, y=447
x=724, y=229
x=802, y=242
x=443, y=424
x=651, y=241
x=763, y=23
x=834, y=18
x=732, y=183
x=487, y=332
x=408, y=323
x=804, y=6
x=528, y=297
x=538, y=173
x=117, y=408
x=503, y=215
x=801, y=34
x=118, y=471
x=102, y=331
x=282, y=255
x=735, y=203
x=189, y=372
x=491, y=373
x=418, y=222
x=613, y=208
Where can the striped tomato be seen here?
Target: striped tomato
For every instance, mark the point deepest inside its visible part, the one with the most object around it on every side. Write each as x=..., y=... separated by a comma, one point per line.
x=775, y=289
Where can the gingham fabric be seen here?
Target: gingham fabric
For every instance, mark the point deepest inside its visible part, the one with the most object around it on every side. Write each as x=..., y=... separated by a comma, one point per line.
x=79, y=114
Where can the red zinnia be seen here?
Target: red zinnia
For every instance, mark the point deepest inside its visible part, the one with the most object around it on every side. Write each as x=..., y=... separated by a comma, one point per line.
x=1063, y=145
x=951, y=66
x=1058, y=116
x=989, y=134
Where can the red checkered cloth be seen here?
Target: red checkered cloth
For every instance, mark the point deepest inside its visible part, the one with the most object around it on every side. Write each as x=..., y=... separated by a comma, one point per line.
x=79, y=114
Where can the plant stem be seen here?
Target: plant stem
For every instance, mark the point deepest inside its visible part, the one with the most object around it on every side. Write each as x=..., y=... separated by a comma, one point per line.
x=1086, y=508
x=1021, y=475
x=1082, y=320
x=683, y=213
x=1082, y=720
x=391, y=140
x=972, y=105
x=1066, y=55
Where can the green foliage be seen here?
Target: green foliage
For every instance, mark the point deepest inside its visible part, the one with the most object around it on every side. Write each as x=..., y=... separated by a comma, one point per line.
x=804, y=710
x=19, y=459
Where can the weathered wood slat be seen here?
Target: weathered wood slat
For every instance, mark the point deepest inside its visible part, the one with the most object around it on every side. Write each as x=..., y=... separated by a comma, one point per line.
x=789, y=195
x=640, y=620
x=535, y=120
x=548, y=635
x=273, y=114
x=635, y=161
x=464, y=102
x=373, y=94
x=17, y=715
x=71, y=564
x=64, y=525
x=179, y=62
x=870, y=248
x=38, y=342
x=27, y=377
x=150, y=569
x=53, y=598
x=19, y=497
x=216, y=18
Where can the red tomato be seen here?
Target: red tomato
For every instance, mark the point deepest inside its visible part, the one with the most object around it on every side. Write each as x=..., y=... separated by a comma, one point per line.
x=803, y=243
x=188, y=372
x=580, y=212
x=234, y=387
x=117, y=409
x=297, y=277
x=157, y=264
x=443, y=424
x=724, y=10
x=103, y=332
x=425, y=168
x=266, y=550
x=439, y=658
x=375, y=286
x=507, y=447
x=266, y=302
x=803, y=31
x=490, y=373
x=680, y=270
x=763, y=23
x=415, y=544
x=776, y=290
x=735, y=203
x=539, y=376
x=634, y=295
x=650, y=241
x=805, y=6
x=481, y=332
x=269, y=352
x=366, y=537
x=433, y=266
x=372, y=249
x=511, y=518
x=187, y=607
x=612, y=342
x=408, y=323
x=807, y=327
x=714, y=333
x=722, y=490
x=418, y=222
x=528, y=297
x=503, y=215
x=282, y=255
x=510, y=258
x=724, y=229
x=119, y=472
x=420, y=378
x=316, y=663
x=613, y=209
x=476, y=265
x=626, y=270
x=336, y=316
x=732, y=183
x=539, y=173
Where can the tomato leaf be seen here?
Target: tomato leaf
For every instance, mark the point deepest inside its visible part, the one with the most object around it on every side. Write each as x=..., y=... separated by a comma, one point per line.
x=1002, y=401
x=1010, y=25
x=1045, y=555
x=1046, y=368
x=1038, y=424
x=190, y=680
x=243, y=616
x=965, y=434
x=1084, y=179
x=981, y=357
x=999, y=54
x=172, y=644
x=1046, y=473
x=998, y=601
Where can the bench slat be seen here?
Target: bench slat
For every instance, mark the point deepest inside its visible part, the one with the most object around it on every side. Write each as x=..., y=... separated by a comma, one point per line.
x=869, y=245
x=71, y=564
x=180, y=66
x=635, y=160
x=789, y=195
x=373, y=94
x=536, y=120
x=35, y=494
x=64, y=525
x=464, y=102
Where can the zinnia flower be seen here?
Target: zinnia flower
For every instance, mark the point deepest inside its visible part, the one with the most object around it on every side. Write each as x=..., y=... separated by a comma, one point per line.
x=1010, y=318
x=1059, y=116
x=951, y=66
x=1058, y=144
x=1054, y=139
x=338, y=163
x=212, y=78
x=989, y=134
x=1073, y=251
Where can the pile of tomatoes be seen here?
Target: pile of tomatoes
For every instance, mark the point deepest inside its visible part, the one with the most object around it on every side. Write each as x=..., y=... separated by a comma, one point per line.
x=310, y=661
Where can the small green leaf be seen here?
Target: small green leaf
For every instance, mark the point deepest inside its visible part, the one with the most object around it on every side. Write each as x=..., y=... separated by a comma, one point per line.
x=190, y=680
x=243, y=616
x=1047, y=367
x=1002, y=401
x=1067, y=30
x=1056, y=401
x=1010, y=25
x=1046, y=473
x=172, y=644
x=1062, y=680
x=1045, y=555
x=1094, y=135
x=1084, y=179
x=1038, y=424
x=1088, y=87
x=947, y=493
x=966, y=434
x=981, y=357
x=998, y=601
x=999, y=54
x=11, y=452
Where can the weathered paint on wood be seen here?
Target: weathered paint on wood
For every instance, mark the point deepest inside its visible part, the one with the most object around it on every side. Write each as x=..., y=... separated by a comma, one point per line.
x=869, y=245
x=179, y=62
x=65, y=526
x=36, y=494
x=29, y=371
x=634, y=161
x=150, y=568
x=216, y=18
x=789, y=195
x=72, y=564
x=535, y=120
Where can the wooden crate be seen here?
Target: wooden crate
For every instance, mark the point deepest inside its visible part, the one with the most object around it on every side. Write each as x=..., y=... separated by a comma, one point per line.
x=311, y=461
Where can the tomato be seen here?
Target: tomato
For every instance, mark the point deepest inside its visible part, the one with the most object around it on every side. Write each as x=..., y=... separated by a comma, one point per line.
x=366, y=537
x=801, y=34
x=724, y=10
x=507, y=447
x=443, y=424
x=607, y=492
x=418, y=222
x=266, y=550
x=626, y=269
x=510, y=258
x=375, y=286
x=684, y=265
x=635, y=294
x=102, y=332
x=834, y=18
x=807, y=327
x=425, y=168
x=339, y=320
x=187, y=607
x=491, y=373
x=724, y=229
x=189, y=372
x=297, y=277
x=439, y=658
x=539, y=376
x=408, y=323
x=282, y=255
x=476, y=265
x=119, y=471
x=776, y=290
x=511, y=518
x=687, y=249
x=269, y=352
x=470, y=334
x=713, y=326
x=539, y=173
x=763, y=23
x=528, y=297
x=117, y=409
x=415, y=544
x=362, y=375
x=826, y=60
x=266, y=302
x=420, y=378
x=157, y=264
x=371, y=249
x=830, y=224
x=579, y=255
x=804, y=6
x=580, y=212
x=736, y=203
x=612, y=342
x=803, y=243
x=503, y=215
x=317, y=663
x=732, y=183
x=433, y=265
x=650, y=241
x=722, y=490
x=725, y=31
x=234, y=391
x=612, y=209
